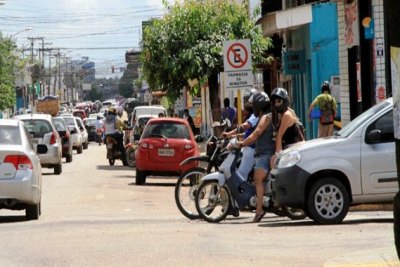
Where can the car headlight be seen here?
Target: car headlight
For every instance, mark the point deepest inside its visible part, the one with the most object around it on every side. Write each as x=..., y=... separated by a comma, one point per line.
x=289, y=159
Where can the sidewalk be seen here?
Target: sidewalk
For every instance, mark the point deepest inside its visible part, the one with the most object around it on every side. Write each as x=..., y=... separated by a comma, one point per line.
x=374, y=257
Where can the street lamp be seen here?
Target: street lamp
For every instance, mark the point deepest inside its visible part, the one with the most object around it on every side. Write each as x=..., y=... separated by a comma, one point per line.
x=24, y=30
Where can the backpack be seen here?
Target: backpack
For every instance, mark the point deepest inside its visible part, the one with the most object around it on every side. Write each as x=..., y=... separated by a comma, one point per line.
x=327, y=112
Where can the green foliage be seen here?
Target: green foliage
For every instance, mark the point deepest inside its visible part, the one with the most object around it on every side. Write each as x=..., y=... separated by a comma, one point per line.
x=187, y=42
x=95, y=94
x=7, y=84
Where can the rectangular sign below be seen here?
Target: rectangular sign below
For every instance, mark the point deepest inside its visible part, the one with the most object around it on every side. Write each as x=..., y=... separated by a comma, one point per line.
x=239, y=79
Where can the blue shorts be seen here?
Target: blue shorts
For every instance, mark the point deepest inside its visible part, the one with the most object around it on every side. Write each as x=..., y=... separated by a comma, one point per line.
x=262, y=162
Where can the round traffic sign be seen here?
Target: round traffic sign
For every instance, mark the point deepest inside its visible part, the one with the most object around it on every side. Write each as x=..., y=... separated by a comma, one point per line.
x=237, y=55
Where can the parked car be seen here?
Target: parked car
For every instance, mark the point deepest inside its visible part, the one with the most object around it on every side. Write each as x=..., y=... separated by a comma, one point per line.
x=90, y=126
x=355, y=166
x=76, y=135
x=43, y=131
x=84, y=133
x=164, y=144
x=65, y=135
x=20, y=170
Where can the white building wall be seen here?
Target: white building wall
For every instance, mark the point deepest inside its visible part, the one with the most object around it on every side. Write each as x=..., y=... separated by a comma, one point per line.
x=343, y=67
x=379, y=50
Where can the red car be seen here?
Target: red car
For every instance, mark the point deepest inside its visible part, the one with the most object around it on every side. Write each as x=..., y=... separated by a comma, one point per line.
x=164, y=144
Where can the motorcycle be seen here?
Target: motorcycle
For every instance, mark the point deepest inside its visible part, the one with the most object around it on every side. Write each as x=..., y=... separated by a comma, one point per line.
x=226, y=192
x=113, y=152
x=188, y=182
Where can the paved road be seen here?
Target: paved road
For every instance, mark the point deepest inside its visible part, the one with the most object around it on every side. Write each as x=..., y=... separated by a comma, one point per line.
x=94, y=215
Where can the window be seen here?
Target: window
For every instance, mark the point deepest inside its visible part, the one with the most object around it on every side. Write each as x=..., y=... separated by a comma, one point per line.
x=10, y=135
x=168, y=130
x=38, y=127
x=385, y=125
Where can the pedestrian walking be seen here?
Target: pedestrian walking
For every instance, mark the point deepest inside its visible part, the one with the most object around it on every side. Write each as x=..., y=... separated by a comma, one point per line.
x=328, y=107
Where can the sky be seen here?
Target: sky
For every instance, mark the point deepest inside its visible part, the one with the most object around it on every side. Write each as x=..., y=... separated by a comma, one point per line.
x=81, y=27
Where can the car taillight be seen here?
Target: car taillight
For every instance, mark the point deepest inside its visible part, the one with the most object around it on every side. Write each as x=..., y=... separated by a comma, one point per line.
x=20, y=162
x=144, y=145
x=188, y=146
x=53, y=138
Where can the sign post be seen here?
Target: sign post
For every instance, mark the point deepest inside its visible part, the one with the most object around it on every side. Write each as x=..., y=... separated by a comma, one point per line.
x=238, y=69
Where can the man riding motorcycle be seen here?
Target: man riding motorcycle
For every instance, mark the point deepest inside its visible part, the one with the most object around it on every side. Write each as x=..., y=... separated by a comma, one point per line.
x=114, y=128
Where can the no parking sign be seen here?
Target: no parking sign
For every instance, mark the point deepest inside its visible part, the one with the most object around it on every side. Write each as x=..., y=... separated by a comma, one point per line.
x=237, y=64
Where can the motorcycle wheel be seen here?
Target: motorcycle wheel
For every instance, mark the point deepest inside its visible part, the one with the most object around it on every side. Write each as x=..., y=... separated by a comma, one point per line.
x=111, y=162
x=185, y=191
x=295, y=214
x=212, y=201
x=130, y=157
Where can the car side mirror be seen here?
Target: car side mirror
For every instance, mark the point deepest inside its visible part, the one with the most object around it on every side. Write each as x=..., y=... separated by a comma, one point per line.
x=373, y=136
x=41, y=149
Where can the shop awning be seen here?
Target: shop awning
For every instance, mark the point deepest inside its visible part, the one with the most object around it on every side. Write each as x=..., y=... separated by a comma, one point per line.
x=285, y=19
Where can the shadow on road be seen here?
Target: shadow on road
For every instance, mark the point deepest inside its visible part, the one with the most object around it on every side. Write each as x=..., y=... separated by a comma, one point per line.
x=155, y=184
x=12, y=219
x=308, y=222
x=113, y=168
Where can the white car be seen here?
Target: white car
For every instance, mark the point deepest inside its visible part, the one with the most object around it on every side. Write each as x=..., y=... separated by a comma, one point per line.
x=141, y=112
x=355, y=166
x=76, y=135
x=20, y=170
x=43, y=131
x=84, y=133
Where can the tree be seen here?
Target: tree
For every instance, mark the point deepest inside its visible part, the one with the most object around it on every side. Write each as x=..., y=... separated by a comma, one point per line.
x=186, y=44
x=7, y=84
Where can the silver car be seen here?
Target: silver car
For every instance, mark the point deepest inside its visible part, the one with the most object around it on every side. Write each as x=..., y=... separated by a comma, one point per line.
x=20, y=170
x=43, y=131
x=75, y=132
x=355, y=166
x=84, y=133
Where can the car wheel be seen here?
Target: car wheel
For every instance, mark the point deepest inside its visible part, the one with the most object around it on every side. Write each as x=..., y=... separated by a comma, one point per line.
x=85, y=145
x=328, y=201
x=80, y=149
x=32, y=212
x=111, y=162
x=58, y=169
x=140, y=177
x=69, y=158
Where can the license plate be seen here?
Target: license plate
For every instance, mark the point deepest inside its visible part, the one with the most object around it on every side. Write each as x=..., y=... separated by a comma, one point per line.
x=166, y=152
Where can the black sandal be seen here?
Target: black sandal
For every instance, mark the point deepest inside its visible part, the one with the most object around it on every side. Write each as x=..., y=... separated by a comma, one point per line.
x=258, y=217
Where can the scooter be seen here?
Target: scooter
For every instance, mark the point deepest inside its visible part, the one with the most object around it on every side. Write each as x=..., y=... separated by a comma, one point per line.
x=226, y=192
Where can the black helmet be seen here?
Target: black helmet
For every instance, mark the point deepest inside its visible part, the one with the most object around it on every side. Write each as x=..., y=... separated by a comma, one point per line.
x=326, y=87
x=261, y=103
x=280, y=93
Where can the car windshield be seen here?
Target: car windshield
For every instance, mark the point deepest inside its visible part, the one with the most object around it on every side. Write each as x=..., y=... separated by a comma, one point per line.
x=354, y=124
x=166, y=129
x=10, y=135
x=38, y=128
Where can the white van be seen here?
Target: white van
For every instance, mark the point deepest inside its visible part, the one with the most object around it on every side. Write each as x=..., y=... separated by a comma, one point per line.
x=142, y=112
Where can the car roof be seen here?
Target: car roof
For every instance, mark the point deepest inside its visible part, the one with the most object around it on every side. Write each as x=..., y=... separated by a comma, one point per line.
x=9, y=122
x=149, y=107
x=34, y=116
x=168, y=119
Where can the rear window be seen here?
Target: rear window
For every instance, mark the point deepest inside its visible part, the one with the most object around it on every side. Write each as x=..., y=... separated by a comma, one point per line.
x=70, y=121
x=10, y=135
x=166, y=129
x=90, y=123
x=38, y=127
x=60, y=124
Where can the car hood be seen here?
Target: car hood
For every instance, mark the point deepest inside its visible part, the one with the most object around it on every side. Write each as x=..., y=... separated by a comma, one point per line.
x=316, y=144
